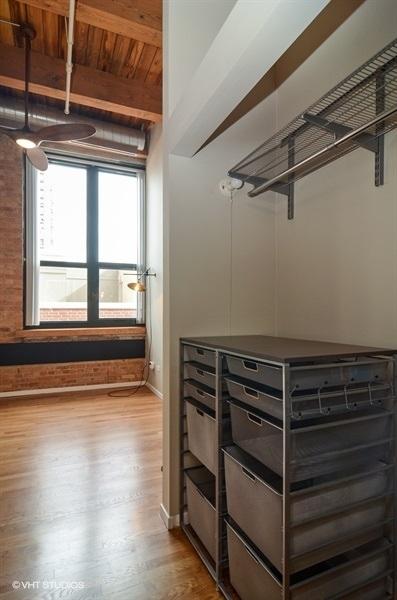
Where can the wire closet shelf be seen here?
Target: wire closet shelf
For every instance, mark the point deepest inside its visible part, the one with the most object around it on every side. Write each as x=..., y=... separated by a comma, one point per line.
x=355, y=113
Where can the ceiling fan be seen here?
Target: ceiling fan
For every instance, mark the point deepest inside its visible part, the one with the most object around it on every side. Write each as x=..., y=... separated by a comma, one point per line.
x=30, y=140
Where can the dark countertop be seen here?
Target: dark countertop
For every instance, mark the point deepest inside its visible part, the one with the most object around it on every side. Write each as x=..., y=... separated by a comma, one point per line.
x=284, y=350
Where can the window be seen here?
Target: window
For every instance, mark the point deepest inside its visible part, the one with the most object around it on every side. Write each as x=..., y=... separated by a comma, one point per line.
x=89, y=238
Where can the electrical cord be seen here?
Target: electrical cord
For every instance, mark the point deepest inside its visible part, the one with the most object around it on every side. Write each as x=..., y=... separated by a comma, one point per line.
x=231, y=265
x=146, y=365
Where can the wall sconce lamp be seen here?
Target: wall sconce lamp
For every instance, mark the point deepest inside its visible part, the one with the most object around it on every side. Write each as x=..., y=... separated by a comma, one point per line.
x=140, y=284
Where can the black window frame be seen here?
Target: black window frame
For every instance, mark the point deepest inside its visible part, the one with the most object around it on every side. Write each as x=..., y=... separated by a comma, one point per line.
x=92, y=264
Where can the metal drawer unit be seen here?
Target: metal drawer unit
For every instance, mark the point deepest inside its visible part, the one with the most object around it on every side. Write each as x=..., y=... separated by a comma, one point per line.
x=200, y=434
x=305, y=490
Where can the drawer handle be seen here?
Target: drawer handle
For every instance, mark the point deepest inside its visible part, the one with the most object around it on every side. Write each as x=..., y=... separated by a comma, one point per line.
x=200, y=392
x=250, y=392
x=250, y=366
x=200, y=372
x=248, y=474
x=199, y=412
x=254, y=419
x=199, y=351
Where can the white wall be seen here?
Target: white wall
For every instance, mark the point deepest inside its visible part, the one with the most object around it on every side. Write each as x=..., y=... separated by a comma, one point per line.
x=200, y=297
x=191, y=27
x=336, y=262
x=329, y=274
x=154, y=253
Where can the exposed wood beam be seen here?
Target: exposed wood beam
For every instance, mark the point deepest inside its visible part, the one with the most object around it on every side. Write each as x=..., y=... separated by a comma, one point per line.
x=90, y=87
x=137, y=19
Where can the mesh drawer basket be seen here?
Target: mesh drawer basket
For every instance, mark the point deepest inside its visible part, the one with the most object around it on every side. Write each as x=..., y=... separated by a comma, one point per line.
x=200, y=355
x=200, y=495
x=201, y=434
x=319, y=513
x=200, y=393
x=202, y=374
x=253, y=578
x=322, y=448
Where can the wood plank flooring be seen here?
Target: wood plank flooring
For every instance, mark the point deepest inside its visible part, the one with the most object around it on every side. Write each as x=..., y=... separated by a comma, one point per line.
x=80, y=489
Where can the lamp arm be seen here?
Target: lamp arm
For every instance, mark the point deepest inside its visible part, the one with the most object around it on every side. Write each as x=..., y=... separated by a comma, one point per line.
x=145, y=274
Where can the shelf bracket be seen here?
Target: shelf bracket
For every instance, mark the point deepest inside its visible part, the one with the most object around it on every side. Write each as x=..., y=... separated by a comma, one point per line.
x=373, y=143
x=286, y=189
x=365, y=140
x=291, y=189
x=380, y=140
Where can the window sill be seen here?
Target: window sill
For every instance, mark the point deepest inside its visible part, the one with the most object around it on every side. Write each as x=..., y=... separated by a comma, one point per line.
x=75, y=332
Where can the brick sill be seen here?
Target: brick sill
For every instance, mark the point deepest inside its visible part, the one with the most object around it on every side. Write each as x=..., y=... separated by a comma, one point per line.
x=136, y=331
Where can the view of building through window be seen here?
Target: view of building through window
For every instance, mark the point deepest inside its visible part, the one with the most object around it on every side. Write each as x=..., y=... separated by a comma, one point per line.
x=64, y=210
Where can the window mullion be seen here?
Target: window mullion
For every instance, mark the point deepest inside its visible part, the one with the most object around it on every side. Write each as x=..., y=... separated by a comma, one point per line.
x=92, y=246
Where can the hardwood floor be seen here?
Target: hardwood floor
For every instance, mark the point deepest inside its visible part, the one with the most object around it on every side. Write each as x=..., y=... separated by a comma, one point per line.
x=80, y=489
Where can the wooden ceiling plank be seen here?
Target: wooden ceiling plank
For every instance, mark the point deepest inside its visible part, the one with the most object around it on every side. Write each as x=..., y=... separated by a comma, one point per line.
x=145, y=62
x=90, y=87
x=120, y=54
x=62, y=37
x=6, y=31
x=52, y=34
x=130, y=65
x=94, y=47
x=155, y=68
x=107, y=51
x=136, y=19
x=80, y=43
x=18, y=15
x=35, y=18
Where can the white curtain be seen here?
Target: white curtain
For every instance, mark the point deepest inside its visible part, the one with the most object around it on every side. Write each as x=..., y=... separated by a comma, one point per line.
x=32, y=264
x=141, y=225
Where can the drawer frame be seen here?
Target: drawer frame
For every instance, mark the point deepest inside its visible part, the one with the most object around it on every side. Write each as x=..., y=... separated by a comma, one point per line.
x=218, y=567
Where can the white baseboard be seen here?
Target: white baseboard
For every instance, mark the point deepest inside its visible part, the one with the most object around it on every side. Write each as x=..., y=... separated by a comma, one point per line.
x=169, y=521
x=154, y=390
x=71, y=388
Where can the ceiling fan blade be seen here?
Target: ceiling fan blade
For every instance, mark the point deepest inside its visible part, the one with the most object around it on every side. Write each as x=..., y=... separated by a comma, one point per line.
x=64, y=133
x=12, y=133
x=37, y=158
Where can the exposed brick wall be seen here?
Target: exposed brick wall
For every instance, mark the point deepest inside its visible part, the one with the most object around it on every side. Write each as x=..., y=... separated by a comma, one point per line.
x=11, y=239
x=80, y=314
x=63, y=314
x=11, y=298
x=69, y=374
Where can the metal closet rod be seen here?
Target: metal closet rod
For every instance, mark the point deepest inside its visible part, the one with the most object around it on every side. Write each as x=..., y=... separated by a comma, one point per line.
x=349, y=136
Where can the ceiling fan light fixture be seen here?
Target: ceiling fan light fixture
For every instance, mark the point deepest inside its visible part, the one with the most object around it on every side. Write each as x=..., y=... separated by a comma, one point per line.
x=25, y=143
x=62, y=132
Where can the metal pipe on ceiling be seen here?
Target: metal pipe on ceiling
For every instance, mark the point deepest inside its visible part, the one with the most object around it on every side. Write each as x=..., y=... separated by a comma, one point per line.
x=110, y=136
x=69, y=64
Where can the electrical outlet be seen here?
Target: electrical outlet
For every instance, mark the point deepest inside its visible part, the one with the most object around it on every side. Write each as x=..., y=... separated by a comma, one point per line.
x=157, y=368
x=151, y=365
